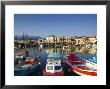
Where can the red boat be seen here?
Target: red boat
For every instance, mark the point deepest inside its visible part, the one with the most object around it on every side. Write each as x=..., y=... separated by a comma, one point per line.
x=78, y=66
x=72, y=59
x=84, y=71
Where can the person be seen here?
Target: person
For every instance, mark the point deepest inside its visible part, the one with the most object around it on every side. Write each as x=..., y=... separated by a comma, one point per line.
x=27, y=53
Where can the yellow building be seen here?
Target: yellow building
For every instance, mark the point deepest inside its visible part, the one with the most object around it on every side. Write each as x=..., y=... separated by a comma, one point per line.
x=51, y=38
x=85, y=39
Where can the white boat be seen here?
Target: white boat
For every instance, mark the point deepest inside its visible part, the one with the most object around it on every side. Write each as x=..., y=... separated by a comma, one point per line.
x=53, y=66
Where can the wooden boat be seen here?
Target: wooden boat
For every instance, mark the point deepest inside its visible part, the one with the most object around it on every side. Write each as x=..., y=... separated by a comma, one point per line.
x=53, y=65
x=82, y=66
x=84, y=71
x=26, y=65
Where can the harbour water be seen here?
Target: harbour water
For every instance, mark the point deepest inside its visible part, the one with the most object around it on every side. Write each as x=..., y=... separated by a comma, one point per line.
x=43, y=53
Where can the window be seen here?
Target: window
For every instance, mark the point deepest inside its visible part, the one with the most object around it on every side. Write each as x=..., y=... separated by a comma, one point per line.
x=49, y=67
x=57, y=67
x=40, y=40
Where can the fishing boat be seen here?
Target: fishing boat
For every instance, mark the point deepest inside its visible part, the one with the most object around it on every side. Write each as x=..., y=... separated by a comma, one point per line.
x=82, y=66
x=53, y=65
x=25, y=65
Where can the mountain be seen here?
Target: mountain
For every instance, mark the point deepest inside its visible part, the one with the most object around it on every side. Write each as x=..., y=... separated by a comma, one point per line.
x=26, y=37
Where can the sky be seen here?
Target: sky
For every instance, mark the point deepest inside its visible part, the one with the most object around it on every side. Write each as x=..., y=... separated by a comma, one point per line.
x=55, y=24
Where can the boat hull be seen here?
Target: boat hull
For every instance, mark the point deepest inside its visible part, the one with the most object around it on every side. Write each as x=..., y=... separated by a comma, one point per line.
x=83, y=72
x=25, y=71
x=53, y=74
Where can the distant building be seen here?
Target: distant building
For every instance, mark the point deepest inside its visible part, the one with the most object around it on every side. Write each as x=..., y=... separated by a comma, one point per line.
x=85, y=40
x=41, y=40
x=61, y=39
x=79, y=40
x=51, y=38
x=92, y=39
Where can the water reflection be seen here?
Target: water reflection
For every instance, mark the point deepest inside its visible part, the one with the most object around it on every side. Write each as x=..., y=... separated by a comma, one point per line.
x=43, y=53
x=58, y=50
x=65, y=51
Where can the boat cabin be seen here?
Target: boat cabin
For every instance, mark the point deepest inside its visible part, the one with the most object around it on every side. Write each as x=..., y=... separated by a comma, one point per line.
x=53, y=65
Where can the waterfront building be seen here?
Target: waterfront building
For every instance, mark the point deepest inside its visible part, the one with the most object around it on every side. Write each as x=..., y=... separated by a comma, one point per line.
x=85, y=40
x=92, y=39
x=41, y=40
x=51, y=38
